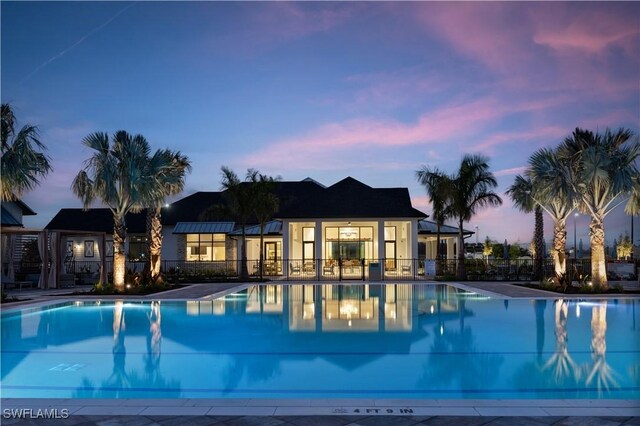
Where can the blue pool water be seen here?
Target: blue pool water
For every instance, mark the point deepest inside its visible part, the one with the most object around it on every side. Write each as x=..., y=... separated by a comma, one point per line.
x=318, y=341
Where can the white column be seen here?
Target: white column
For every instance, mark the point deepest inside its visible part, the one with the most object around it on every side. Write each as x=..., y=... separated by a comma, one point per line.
x=381, y=242
x=285, y=247
x=413, y=235
x=317, y=241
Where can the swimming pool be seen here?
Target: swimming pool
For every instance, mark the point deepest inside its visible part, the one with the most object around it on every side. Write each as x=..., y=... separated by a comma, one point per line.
x=320, y=341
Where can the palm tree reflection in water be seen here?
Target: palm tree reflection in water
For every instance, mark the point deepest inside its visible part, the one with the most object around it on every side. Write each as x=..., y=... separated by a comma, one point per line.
x=600, y=372
x=154, y=339
x=561, y=363
x=119, y=376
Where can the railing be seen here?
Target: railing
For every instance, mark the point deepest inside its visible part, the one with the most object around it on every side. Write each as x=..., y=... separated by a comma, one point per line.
x=87, y=272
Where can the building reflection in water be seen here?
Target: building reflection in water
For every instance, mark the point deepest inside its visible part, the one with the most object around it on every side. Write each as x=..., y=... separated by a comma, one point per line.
x=327, y=307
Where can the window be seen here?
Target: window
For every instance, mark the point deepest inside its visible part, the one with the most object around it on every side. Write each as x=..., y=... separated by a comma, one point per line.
x=205, y=247
x=349, y=242
x=308, y=244
x=137, y=247
x=390, y=247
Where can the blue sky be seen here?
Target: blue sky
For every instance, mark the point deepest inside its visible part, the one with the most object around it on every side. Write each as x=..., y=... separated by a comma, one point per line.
x=326, y=90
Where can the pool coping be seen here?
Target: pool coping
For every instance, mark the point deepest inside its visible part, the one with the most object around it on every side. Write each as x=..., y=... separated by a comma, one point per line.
x=330, y=407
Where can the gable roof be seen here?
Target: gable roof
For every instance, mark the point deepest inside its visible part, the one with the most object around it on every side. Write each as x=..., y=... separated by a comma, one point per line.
x=350, y=198
x=96, y=220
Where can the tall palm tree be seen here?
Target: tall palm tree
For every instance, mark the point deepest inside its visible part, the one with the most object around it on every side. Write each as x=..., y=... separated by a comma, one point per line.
x=239, y=203
x=438, y=185
x=603, y=172
x=520, y=192
x=168, y=170
x=471, y=189
x=117, y=175
x=551, y=190
x=23, y=162
x=265, y=204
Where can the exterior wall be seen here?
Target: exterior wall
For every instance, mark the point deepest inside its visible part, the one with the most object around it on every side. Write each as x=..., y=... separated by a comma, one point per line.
x=181, y=247
x=170, y=244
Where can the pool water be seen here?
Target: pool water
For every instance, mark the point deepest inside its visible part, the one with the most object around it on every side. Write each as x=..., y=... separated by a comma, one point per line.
x=321, y=341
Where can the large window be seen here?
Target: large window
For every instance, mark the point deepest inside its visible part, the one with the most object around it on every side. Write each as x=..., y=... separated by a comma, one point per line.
x=308, y=244
x=349, y=242
x=205, y=247
x=390, y=247
x=137, y=247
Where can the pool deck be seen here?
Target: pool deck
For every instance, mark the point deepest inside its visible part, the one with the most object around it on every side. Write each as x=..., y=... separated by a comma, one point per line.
x=339, y=412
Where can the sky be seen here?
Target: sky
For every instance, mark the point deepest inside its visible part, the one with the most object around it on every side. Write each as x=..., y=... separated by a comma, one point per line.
x=325, y=90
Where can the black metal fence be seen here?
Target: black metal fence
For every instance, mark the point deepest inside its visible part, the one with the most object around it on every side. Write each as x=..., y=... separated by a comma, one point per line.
x=88, y=272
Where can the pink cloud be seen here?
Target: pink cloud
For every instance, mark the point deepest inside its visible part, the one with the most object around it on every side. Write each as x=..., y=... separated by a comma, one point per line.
x=592, y=29
x=549, y=135
x=322, y=147
x=510, y=172
x=272, y=23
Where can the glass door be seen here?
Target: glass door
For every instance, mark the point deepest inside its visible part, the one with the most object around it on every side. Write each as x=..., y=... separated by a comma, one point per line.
x=271, y=257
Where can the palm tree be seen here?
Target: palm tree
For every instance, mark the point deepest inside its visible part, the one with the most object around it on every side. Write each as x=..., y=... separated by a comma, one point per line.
x=117, y=175
x=22, y=162
x=437, y=185
x=168, y=169
x=602, y=170
x=520, y=192
x=471, y=189
x=552, y=192
x=265, y=204
x=239, y=204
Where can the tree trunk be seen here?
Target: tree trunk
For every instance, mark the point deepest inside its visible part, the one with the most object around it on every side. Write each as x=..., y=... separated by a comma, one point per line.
x=538, y=238
x=244, y=272
x=559, y=245
x=154, y=242
x=598, y=260
x=460, y=272
x=261, y=249
x=119, y=237
x=438, y=255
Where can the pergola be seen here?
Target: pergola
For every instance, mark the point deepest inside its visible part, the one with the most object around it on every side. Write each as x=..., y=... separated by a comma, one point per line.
x=50, y=246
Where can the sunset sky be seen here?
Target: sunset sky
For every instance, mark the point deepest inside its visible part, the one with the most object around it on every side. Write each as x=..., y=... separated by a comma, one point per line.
x=326, y=90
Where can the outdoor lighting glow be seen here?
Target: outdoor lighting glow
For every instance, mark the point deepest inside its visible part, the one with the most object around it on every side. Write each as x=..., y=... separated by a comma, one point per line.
x=349, y=323
x=367, y=315
x=577, y=311
x=128, y=285
x=441, y=330
x=329, y=315
x=167, y=205
x=432, y=309
x=78, y=303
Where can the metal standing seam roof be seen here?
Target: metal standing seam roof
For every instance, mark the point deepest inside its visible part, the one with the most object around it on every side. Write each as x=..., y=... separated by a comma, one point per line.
x=429, y=227
x=8, y=219
x=203, y=227
x=273, y=227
